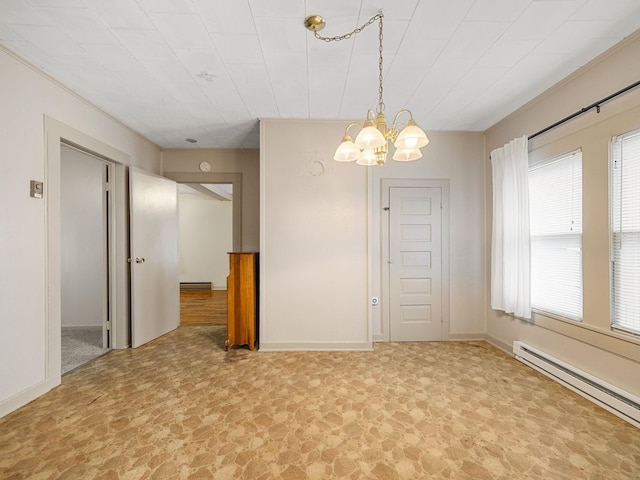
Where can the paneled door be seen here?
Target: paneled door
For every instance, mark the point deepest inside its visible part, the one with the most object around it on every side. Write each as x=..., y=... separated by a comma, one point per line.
x=415, y=269
x=155, y=281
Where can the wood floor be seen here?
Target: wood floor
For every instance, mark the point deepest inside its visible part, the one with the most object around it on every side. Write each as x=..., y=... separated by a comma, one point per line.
x=203, y=307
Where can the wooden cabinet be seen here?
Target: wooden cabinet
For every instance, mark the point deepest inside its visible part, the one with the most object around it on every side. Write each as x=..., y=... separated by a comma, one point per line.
x=242, y=300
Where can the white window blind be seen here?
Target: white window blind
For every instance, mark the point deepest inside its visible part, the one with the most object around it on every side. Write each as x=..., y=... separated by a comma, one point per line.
x=555, y=203
x=625, y=229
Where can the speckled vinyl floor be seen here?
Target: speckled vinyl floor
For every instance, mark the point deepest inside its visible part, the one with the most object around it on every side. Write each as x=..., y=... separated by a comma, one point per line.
x=181, y=407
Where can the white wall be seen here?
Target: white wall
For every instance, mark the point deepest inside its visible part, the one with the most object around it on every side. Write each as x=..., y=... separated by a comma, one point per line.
x=28, y=286
x=590, y=345
x=83, y=239
x=314, y=240
x=456, y=158
x=204, y=239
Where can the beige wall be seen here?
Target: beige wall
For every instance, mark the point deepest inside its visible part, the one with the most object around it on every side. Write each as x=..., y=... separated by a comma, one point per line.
x=34, y=109
x=591, y=346
x=314, y=240
x=184, y=164
x=457, y=159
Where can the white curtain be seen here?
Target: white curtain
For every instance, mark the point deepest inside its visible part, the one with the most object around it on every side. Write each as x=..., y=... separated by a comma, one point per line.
x=510, y=250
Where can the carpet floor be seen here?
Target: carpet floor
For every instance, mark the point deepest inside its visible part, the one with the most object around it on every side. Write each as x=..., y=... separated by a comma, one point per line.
x=181, y=407
x=79, y=346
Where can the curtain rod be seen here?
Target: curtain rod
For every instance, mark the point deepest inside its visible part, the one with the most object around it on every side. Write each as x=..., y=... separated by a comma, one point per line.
x=595, y=105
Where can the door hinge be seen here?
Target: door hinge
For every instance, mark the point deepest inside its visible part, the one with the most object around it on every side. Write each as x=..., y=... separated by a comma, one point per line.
x=107, y=187
x=108, y=324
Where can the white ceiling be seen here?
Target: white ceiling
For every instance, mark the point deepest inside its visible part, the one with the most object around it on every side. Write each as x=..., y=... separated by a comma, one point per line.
x=209, y=69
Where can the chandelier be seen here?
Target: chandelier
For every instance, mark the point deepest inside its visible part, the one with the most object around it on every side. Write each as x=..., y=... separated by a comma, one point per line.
x=372, y=142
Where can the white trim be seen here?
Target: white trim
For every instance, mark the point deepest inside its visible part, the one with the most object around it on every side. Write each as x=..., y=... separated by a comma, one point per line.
x=499, y=344
x=316, y=347
x=468, y=337
x=27, y=395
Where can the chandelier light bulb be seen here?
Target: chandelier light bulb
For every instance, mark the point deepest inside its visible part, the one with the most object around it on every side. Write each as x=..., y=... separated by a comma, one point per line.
x=367, y=159
x=370, y=137
x=347, y=151
x=411, y=136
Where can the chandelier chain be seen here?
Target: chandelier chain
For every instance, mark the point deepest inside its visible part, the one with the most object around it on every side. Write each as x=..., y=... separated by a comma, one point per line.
x=380, y=102
x=346, y=36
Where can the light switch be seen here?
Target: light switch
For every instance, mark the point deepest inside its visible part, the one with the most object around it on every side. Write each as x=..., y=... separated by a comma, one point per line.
x=37, y=189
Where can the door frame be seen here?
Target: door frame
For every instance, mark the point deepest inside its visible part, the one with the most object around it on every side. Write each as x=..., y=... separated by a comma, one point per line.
x=108, y=207
x=386, y=185
x=214, y=177
x=56, y=133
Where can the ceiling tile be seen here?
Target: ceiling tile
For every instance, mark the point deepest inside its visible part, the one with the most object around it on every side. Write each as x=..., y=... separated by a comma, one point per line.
x=437, y=19
x=119, y=13
x=177, y=68
x=144, y=44
x=277, y=8
x=607, y=10
x=57, y=3
x=114, y=58
x=167, y=6
x=281, y=34
x=506, y=53
x=182, y=30
x=7, y=33
x=50, y=40
x=80, y=25
x=572, y=36
x=201, y=61
x=541, y=19
x=18, y=12
x=223, y=16
x=238, y=48
x=392, y=9
x=473, y=39
x=496, y=10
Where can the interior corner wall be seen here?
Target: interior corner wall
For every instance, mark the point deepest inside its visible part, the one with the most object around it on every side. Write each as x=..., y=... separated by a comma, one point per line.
x=314, y=240
x=28, y=286
x=243, y=161
x=591, y=345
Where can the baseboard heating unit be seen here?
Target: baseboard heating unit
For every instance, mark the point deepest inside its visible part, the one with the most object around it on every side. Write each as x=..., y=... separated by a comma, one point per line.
x=617, y=401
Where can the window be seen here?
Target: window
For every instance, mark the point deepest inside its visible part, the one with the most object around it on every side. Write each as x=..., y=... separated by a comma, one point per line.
x=625, y=232
x=555, y=204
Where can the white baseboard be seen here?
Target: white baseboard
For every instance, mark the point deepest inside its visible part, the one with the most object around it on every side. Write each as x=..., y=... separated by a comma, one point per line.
x=467, y=337
x=316, y=346
x=20, y=399
x=506, y=348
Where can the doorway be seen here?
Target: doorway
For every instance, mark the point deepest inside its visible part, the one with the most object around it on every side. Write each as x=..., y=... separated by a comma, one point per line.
x=205, y=231
x=85, y=257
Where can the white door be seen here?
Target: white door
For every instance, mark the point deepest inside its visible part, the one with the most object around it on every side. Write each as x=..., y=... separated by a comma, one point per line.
x=415, y=270
x=155, y=289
